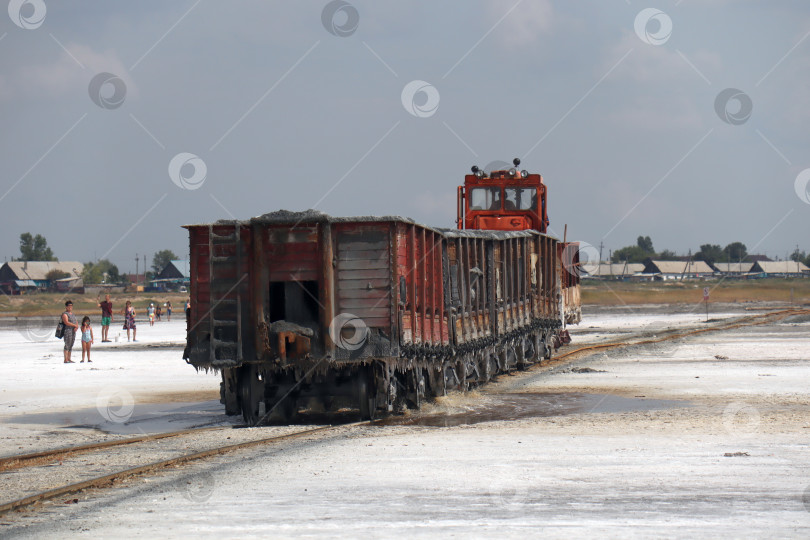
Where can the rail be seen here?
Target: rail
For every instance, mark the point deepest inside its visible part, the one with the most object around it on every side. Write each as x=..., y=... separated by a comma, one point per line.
x=38, y=458
x=110, y=479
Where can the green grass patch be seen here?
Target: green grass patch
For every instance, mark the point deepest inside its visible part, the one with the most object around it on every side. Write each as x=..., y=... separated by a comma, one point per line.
x=609, y=293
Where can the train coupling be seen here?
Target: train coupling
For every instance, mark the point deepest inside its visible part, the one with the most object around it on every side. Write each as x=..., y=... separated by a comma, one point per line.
x=291, y=341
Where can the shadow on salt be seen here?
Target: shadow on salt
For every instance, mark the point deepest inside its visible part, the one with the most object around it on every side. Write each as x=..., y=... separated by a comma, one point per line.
x=500, y=407
x=145, y=418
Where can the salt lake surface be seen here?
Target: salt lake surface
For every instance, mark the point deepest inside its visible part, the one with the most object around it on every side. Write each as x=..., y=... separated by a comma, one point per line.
x=723, y=451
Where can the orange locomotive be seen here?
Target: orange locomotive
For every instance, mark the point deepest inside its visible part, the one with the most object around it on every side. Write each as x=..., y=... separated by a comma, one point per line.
x=510, y=200
x=378, y=313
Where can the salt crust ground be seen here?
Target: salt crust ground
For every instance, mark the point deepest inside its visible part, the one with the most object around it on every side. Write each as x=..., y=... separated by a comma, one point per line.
x=35, y=381
x=661, y=473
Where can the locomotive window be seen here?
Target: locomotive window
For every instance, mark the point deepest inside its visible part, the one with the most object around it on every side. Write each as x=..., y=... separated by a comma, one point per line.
x=485, y=198
x=521, y=198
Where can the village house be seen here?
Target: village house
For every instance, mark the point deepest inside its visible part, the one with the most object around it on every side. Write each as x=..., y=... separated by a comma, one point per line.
x=606, y=270
x=666, y=270
x=17, y=277
x=779, y=269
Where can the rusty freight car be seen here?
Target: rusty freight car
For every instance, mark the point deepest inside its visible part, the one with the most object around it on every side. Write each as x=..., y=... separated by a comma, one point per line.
x=375, y=313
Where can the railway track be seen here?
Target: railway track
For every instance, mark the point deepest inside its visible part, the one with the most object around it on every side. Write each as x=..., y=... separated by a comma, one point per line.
x=33, y=468
x=58, y=454
x=46, y=459
x=669, y=335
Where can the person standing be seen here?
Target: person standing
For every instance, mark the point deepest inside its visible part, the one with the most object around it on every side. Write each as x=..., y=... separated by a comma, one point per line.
x=158, y=311
x=87, y=338
x=129, y=320
x=106, y=317
x=71, y=326
x=188, y=309
x=150, y=311
x=169, y=311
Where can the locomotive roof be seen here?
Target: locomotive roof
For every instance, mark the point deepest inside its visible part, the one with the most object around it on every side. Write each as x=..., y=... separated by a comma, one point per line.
x=281, y=217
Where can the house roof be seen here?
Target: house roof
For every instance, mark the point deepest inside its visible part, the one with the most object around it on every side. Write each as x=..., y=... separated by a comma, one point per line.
x=739, y=267
x=176, y=269
x=183, y=267
x=779, y=267
x=677, y=267
x=614, y=269
x=37, y=270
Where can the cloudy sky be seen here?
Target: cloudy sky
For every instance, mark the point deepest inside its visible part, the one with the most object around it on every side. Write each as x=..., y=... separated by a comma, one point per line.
x=125, y=120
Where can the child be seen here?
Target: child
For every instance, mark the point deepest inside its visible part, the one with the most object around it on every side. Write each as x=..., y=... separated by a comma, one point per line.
x=151, y=312
x=87, y=338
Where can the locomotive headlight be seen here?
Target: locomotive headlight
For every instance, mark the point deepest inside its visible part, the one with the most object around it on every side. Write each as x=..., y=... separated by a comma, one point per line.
x=479, y=174
x=512, y=172
x=524, y=173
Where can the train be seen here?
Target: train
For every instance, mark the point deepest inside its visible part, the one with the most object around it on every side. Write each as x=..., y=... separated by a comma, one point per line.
x=378, y=314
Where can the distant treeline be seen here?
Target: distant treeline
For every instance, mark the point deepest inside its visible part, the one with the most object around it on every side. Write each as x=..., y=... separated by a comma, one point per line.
x=711, y=253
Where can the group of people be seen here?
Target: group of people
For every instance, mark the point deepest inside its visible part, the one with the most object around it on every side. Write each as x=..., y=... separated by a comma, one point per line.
x=72, y=326
x=155, y=312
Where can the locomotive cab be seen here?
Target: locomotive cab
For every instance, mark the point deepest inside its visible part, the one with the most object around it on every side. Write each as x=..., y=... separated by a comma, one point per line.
x=503, y=200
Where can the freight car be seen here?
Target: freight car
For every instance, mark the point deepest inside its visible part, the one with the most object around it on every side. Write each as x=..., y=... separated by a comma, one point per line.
x=378, y=313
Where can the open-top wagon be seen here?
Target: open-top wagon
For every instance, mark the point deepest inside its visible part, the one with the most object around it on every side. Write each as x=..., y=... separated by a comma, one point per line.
x=374, y=313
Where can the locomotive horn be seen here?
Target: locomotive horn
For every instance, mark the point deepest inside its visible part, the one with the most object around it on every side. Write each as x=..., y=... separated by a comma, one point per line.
x=516, y=161
x=475, y=169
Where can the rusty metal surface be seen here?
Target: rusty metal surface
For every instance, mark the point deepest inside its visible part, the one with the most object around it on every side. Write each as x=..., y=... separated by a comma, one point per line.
x=411, y=285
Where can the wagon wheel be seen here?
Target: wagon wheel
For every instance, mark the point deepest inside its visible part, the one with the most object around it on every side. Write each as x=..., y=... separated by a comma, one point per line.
x=492, y=366
x=287, y=408
x=398, y=392
x=529, y=352
x=436, y=382
x=366, y=394
x=417, y=388
x=251, y=393
x=461, y=374
x=547, y=350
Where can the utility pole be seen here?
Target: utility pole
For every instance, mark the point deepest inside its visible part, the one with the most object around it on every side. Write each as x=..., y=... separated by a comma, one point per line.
x=798, y=271
x=137, y=260
x=144, y=268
